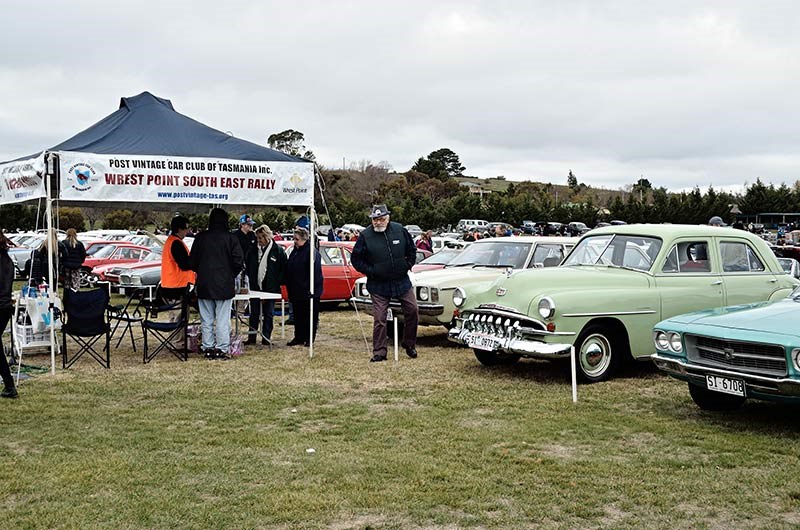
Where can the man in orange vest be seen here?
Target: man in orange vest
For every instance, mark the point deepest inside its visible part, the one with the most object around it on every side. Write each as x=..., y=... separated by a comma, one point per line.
x=176, y=272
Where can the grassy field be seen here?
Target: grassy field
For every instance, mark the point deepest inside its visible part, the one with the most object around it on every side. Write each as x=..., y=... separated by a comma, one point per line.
x=436, y=442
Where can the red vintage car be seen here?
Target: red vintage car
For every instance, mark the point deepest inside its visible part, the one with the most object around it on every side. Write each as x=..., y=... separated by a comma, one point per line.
x=110, y=271
x=339, y=276
x=116, y=253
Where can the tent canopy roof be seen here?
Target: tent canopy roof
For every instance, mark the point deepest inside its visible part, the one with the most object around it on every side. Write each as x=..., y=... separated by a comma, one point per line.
x=149, y=125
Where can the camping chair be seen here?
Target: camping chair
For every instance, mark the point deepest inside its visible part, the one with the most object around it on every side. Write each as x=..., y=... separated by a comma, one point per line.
x=86, y=322
x=169, y=335
x=124, y=316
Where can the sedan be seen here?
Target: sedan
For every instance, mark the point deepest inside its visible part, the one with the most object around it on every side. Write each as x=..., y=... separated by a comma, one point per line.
x=607, y=295
x=473, y=271
x=732, y=354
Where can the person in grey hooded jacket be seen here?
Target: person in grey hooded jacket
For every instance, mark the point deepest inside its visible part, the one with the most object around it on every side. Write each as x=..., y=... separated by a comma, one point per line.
x=217, y=258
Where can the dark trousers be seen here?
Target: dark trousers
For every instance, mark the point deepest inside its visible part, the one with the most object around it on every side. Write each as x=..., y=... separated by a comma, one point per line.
x=302, y=309
x=408, y=303
x=268, y=308
x=5, y=370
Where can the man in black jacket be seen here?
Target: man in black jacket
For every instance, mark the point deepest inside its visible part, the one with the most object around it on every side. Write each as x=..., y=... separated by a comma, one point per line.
x=385, y=253
x=247, y=239
x=216, y=258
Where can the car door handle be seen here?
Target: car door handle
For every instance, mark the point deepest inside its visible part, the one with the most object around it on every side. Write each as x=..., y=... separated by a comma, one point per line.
x=773, y=280
x=718, y=282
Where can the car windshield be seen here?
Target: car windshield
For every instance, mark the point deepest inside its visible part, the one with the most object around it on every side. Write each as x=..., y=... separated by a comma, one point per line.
x=105, y=252
x=442, y=257
x=153, y=256
x=614, y=250
x=506, y=253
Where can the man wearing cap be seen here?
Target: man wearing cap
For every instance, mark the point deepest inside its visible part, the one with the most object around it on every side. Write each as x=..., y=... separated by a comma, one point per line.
x=716, y=221
x=249, y=244
x=385, y=253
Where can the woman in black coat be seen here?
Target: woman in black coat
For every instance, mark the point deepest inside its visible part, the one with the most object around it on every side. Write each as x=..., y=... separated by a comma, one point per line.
x=6, y=311
x=298, y=287
x=71, y=254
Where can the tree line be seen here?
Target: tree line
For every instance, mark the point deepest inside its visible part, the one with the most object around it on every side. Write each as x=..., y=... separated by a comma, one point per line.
x=430, y=195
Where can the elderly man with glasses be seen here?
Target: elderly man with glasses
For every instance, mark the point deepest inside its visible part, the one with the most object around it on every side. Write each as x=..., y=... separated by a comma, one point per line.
x=385, y=252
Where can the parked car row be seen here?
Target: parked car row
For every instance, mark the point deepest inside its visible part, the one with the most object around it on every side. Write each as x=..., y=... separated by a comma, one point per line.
x=470, y=271
x=713, y=303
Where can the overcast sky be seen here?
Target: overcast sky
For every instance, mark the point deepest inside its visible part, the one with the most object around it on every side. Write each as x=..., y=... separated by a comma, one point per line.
x=683, y=93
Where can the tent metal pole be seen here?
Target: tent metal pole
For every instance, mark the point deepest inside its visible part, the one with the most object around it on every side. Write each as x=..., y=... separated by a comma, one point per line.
x=49, y=238
x=311, y=254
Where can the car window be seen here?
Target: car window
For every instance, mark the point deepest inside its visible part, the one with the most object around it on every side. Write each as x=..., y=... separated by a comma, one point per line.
x=333, y=255
x=688, y=257
x=547, y=255
x=739, y=257
x=105, y=252
x=495, y=253
x=636, y=252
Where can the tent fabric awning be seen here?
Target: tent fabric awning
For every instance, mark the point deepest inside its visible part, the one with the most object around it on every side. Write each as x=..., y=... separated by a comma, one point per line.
x=147, y=152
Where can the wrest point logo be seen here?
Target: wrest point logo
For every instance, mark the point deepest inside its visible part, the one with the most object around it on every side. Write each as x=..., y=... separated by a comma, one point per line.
x=82, y=176
x=297, y=185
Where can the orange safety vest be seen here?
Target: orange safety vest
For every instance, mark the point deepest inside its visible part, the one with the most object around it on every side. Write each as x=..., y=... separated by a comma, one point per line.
x=172, y=275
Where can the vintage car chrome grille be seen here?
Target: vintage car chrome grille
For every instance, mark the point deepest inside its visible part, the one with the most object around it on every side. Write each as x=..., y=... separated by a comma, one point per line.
x=500, y=323
x=751, y=357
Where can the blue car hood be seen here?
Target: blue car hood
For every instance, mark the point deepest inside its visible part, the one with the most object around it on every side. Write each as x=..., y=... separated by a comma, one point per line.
x=781, y=317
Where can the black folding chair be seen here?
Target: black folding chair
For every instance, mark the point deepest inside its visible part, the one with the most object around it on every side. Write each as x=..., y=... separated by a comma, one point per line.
x=124, y=316
x=169, y=335
x=86, y=322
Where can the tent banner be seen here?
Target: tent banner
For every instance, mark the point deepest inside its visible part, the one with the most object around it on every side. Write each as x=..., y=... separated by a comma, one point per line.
x=22, y=180
x=153, y=179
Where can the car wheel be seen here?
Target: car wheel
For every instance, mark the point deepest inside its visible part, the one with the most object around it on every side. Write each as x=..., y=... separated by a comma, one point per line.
x=595, y=356
x=490, y=358
x=714, y=401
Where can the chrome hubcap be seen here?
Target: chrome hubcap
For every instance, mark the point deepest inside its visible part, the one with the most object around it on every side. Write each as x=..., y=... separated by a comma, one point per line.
x=595, y=355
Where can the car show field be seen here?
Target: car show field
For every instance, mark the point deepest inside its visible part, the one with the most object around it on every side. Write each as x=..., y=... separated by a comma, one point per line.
x=435, y=442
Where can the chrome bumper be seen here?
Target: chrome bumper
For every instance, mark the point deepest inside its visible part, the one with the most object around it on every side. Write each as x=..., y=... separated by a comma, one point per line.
x=694, y=373
x=365, y=305
x=516, y=346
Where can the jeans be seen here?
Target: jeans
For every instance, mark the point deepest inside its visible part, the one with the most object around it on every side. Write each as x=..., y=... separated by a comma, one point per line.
x=215, y=312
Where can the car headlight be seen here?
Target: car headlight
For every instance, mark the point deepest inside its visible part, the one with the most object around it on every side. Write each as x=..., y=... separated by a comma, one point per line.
x=661, y=340
x=796, y=358
x=547, y=307
x=675, y=342
x=459, y=297
x=434, y=295
x=422, y=294
x=363, y=289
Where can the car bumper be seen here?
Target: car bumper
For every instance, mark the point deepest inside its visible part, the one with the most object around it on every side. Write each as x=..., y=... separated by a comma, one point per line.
x=759, y=385
x=424, y=309
x=516, y=346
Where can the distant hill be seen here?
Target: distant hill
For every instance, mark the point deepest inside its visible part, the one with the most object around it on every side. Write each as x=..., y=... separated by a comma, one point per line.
x=564, y=194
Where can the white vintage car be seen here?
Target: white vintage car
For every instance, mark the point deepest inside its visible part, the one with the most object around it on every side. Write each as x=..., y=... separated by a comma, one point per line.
x=471, y=272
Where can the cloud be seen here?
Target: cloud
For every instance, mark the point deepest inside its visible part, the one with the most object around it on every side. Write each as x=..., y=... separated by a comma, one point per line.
x=683, y=93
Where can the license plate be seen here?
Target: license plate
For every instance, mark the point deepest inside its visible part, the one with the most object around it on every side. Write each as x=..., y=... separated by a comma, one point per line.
x=122, y=291
x=725, y=385
x=482, y=342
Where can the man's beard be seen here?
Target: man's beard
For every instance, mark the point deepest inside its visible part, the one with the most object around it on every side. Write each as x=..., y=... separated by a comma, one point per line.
x=380, y=229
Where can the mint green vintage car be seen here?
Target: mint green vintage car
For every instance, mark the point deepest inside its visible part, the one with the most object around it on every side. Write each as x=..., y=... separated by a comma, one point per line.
x=730, y=354
x=472, y=271
x=614, y=286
